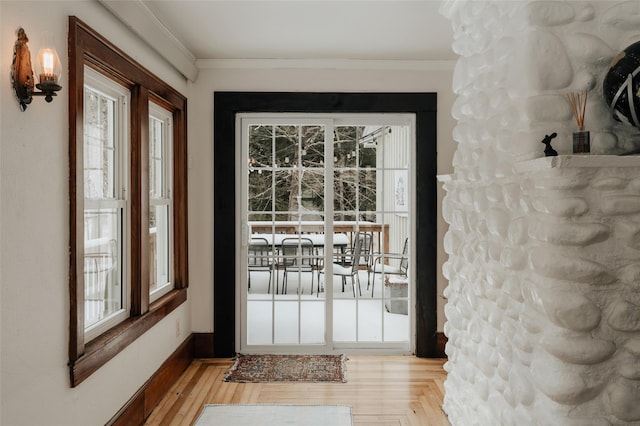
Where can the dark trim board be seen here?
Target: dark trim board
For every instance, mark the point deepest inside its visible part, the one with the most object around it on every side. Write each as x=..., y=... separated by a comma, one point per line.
x=441, y=345
x=228, y=104
x=203, y=345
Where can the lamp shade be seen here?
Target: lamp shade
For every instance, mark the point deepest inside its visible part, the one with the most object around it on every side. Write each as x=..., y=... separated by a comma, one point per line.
x=48, y=67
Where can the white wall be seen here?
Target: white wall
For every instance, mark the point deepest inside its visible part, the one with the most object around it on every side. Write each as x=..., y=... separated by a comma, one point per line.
x=34, y=211
x=34, y=228
x=292, y=76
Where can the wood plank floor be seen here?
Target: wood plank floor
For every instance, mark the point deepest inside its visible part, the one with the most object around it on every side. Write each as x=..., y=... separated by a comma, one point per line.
x=383, y=390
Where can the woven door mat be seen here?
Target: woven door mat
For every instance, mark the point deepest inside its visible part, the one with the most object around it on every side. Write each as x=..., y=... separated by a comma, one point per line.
x=287, y=368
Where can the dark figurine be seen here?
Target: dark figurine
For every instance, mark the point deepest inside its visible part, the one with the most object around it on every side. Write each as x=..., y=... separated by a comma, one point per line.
x=548, y=150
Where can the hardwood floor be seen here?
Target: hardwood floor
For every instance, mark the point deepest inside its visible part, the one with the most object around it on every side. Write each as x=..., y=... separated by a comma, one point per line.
x=383, y=390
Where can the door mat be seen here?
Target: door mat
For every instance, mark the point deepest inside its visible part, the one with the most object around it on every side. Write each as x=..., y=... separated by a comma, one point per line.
x=288, y=368
x=271, y=415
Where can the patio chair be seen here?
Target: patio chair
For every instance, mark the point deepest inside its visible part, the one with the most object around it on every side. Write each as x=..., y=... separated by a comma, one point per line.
x=366, y=253
x=348, y=270
x=379, y=265
x=260, y=259
x=297, y=254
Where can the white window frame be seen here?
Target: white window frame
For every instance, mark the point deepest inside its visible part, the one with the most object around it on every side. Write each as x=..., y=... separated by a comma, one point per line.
x=121, y=97
x=161, y=114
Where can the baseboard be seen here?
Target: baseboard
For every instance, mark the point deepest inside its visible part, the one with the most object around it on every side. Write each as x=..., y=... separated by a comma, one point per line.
x=441, y=342
x=142, y=403
x=203, y=345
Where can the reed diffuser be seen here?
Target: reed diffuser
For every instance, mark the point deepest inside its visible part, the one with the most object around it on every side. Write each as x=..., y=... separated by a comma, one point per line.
x=581, y=138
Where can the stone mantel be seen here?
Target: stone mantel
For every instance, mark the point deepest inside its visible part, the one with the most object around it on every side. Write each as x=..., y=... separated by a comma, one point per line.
x=564, y=161
x=572, y=161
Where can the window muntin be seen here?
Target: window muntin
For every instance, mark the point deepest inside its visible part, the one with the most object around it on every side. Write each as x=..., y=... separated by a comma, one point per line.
x=105, y=147
x=160, y=201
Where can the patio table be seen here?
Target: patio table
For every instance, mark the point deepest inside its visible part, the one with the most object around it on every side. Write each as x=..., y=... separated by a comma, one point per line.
x=317, y=226
x=340, y=241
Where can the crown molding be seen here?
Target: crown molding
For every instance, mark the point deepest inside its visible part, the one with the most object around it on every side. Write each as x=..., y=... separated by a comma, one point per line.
x=337, y=64
x=143, y=22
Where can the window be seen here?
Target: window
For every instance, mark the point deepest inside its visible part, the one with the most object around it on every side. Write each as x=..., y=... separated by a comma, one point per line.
x=106, y=287
x=128, y=200
x=160, y=205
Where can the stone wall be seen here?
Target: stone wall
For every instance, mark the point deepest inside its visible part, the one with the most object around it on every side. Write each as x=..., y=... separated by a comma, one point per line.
x=543, y=301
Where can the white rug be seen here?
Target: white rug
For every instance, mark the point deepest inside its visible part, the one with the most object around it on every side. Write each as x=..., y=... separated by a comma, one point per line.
x=275, y=415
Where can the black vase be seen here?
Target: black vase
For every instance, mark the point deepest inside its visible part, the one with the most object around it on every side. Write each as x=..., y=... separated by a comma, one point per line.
x=581, y=142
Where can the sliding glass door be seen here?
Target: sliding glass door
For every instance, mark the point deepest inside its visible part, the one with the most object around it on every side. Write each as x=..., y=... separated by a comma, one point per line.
x=325, y=258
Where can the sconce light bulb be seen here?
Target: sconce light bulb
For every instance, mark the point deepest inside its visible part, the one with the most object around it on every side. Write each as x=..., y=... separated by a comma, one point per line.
x=47, y=59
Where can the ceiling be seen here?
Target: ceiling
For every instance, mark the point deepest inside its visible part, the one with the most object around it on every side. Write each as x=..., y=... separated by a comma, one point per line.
x=296, y=29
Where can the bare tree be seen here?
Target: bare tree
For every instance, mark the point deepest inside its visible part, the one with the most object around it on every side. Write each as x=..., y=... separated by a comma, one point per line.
x=287, y=167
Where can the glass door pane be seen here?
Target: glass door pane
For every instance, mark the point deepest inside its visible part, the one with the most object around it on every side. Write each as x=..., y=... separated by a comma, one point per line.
x=371, y=205
x=327, y=208
x=285, y=192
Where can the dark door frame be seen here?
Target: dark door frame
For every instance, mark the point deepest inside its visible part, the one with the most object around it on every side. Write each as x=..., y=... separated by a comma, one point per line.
x=228, y=104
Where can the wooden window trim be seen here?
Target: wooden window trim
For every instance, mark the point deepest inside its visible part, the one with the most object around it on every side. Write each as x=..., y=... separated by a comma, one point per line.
x=86, y=47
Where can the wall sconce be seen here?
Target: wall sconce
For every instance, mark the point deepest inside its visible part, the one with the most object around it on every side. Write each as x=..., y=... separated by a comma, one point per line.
x=48, y=69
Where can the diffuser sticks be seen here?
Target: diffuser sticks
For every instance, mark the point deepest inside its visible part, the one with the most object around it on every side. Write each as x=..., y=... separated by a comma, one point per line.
x=578, y=101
